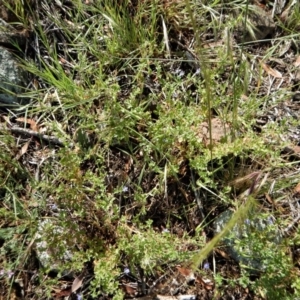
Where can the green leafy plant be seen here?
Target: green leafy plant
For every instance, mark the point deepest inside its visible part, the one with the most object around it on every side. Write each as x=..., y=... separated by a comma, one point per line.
x=156, y=105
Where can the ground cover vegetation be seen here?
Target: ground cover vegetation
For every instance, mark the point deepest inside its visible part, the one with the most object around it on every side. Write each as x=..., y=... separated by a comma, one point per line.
x=147, y=120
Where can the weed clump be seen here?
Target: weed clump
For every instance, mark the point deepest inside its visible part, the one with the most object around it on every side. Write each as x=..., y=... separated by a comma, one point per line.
x=148, y=121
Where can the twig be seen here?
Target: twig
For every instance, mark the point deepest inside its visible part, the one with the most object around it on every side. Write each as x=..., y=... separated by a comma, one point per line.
x=28, y=132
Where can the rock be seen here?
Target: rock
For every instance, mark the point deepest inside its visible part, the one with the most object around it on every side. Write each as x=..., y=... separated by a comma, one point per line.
x=10, y=36
x=13, y=81
x=10, y=39
x=240, y=247
x=263, y=22
x=260, y=25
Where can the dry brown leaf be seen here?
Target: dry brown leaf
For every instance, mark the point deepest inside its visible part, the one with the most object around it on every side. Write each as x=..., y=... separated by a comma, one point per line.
x=62, y=293
x=219, y=130
x=77, y=283
x=128, y=165
x=184, y=271
x=187, y=273
x=6, y=119
x=207, y=283
x=222, y=253
x=23, y=150
x=269, y=199
x=129, y=290
x=297, y=62
x=297, y=189
x=296, y=149
x=271, y=71
x=32, y=123
x=163, y=297
x=62, y=60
